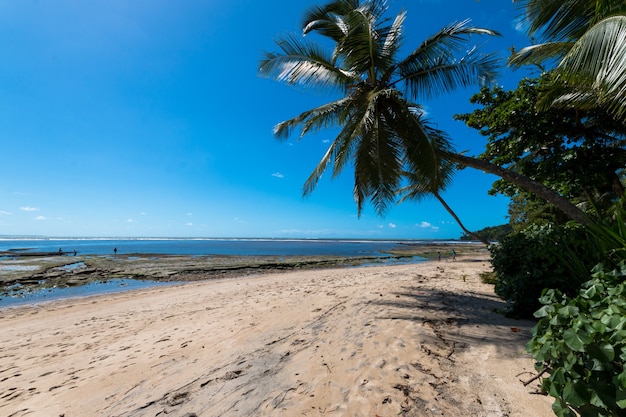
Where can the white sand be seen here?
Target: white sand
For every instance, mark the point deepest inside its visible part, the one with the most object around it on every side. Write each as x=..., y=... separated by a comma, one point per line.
x=410, y=340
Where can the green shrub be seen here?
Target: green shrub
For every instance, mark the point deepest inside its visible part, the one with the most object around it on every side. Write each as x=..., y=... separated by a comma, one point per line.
x=581, y=341
x=488, y=277
x=527, y=262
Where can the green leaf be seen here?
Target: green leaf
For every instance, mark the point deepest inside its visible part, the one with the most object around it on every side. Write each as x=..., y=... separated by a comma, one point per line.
x=576, y=394
x=590, y=292
x=575, y=340
x=568, y=311
x=544, y=311
x=561, y=409
x=598, y=327
x=604, y=352
x=621, y=398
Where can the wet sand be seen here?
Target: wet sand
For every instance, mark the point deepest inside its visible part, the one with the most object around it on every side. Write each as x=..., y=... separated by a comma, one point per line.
x=410, y=340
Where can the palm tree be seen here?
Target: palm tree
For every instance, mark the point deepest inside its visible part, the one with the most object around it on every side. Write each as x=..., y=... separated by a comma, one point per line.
x=588, y=39
x=383, y=133
x=561, y=23
x=593, y=72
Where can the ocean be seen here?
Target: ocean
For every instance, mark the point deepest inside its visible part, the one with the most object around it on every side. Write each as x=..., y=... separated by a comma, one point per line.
x=192, y=247
x=170, y=246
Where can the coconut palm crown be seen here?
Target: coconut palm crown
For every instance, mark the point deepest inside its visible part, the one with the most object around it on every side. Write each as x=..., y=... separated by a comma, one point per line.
x=383, y=132
x=587, y=39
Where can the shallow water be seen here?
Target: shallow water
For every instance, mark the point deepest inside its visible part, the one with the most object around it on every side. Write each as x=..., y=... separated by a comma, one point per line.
x=242, y=247
x=20, y=297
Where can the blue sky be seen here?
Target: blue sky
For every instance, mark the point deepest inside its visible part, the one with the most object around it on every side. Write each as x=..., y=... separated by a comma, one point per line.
x=148, y=118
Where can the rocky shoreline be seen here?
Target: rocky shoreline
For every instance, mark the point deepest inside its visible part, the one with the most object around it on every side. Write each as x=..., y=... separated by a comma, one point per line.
x=22, y=272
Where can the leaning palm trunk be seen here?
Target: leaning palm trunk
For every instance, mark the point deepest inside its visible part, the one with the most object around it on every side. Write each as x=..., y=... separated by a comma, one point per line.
x=526, y=183
x=456, y=218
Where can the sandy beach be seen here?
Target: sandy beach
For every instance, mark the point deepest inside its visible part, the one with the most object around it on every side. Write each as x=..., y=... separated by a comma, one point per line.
x=409, y=340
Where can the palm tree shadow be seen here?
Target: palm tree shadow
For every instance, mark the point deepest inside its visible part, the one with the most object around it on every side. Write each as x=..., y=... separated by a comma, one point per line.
x=466, y=319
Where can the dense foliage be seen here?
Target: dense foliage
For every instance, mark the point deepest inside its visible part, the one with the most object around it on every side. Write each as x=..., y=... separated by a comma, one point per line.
x=491, y=233
x=579, y=154
x=585, y=39
x=527, y=262
x=581, y=341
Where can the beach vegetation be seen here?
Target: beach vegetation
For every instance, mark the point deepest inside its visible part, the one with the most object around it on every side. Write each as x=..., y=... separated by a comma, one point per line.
x=579, y=341
x=488, y=277
x=584, y=41
x=491, y=233
x=579, y=153
x=539, y=257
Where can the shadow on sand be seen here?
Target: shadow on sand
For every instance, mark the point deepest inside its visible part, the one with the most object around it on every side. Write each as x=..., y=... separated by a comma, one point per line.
x=466, y=318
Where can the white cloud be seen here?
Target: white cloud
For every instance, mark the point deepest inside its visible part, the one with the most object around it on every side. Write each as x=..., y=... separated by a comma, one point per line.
x=427, y=225
x=189, y=224
x=143, y=213
x=26, y=208
x=278, y=175
x=5, y=213
x=130, y=221
x=189, y=214
x=40, y=218
x=392, y=225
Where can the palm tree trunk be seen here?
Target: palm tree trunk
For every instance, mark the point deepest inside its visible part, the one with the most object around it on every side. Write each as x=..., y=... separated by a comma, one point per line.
x=526, y=183
x=453, y=214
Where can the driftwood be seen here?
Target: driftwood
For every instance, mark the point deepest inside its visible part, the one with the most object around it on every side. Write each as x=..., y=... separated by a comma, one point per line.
x=536, y=377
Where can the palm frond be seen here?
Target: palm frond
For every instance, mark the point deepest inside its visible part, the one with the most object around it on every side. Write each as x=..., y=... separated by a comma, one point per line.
x=320, y=168
x=357, y=122
x=445, y=43
x=566, y=20
x=437, y=174
x=325, y=116
x=443, y=74
x=438, y=60
x=341, y=149
x=596, y=65
x=378, y=167
x=538, y=54
x=304, y=63
x=557, y=20
x=392, y=41
x=328, y=20
x=360, y=45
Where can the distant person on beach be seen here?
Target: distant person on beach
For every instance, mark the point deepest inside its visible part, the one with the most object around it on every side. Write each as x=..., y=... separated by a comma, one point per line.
x=74, y=252
x=114, y=251
x=60, y=251
x=438, y=255
x=453, y=255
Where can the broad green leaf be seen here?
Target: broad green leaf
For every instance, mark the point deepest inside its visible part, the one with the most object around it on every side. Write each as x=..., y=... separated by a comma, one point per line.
x=575, y=340
x=604, y=352
x=544, y=311
x=599, y=327
x=576, y=394
x=561, y=409
x=620, y=397
x=568, y=311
